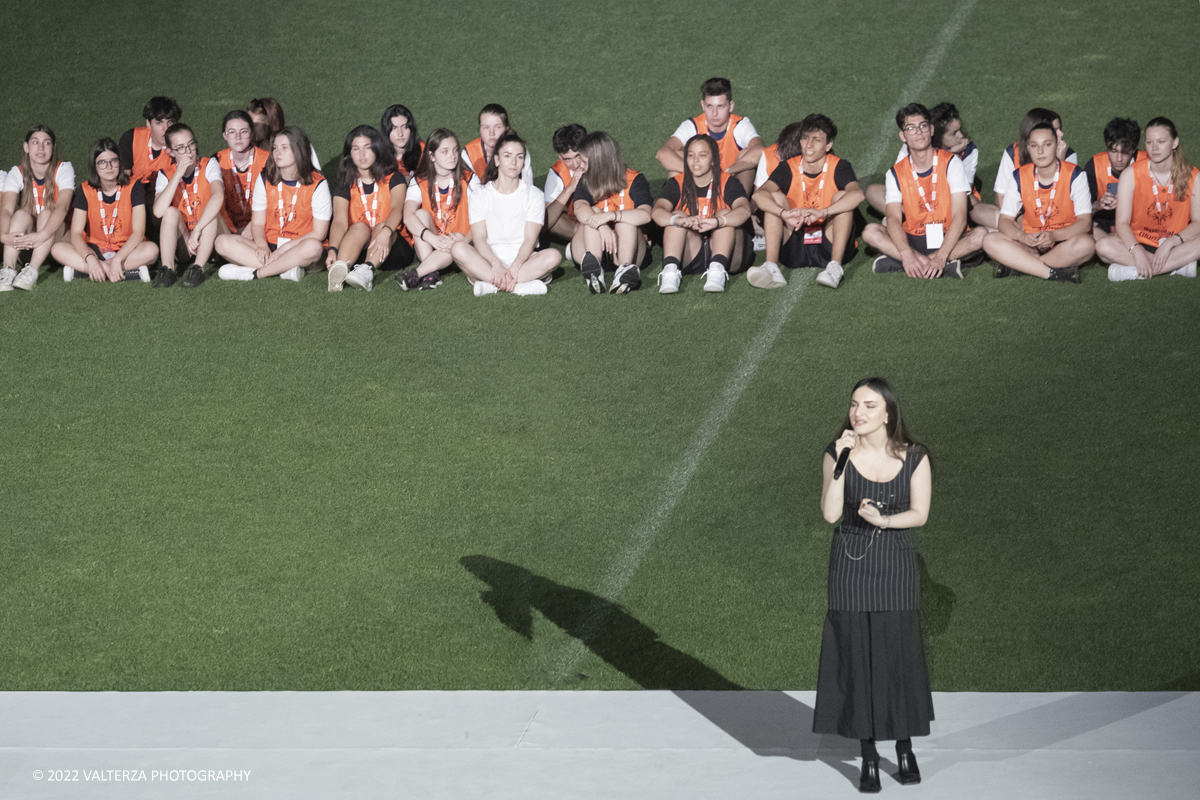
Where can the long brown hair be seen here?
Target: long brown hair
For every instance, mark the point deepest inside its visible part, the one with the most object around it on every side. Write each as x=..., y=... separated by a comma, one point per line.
x=897, y=432
x=301, y=149
x=606, y=168
x=263, y=134
x=28, y=195
x=427, y=170
x=689, y=182
x=493, y=166
x=1181, y=165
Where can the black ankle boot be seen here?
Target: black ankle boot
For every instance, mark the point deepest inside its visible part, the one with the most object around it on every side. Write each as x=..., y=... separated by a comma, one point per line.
x=868, y=780
x=909, y=772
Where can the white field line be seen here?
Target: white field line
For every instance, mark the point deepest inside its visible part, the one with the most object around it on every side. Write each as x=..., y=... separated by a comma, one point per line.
x=627, y=563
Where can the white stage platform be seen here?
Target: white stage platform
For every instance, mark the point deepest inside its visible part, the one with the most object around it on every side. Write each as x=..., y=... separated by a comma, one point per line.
x=575, y=744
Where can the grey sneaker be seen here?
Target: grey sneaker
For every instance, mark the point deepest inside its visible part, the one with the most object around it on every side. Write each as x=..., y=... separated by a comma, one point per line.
x=26, y=280
x=7, y=275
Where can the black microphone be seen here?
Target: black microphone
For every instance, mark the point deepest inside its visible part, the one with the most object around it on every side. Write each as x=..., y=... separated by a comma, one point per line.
x=841, y=465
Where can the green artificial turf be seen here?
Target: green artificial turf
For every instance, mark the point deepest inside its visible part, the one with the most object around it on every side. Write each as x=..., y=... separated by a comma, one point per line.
x=264, y=486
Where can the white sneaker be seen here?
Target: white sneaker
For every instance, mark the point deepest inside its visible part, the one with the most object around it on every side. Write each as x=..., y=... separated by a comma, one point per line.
x=7, y=274
x=767, y=276
x=27, y=279
x=1120, y=272
x=362, y=277
x=530, y=288
x=714, y=279
x=144, y=274
x=484, y=288
x=232, y=272
x=760, y=243
x=337, y=275
x=831, y=276
x=295, y=274
x=668, y=279
x=1186, y=271
x=567, y=252
x=68, y=274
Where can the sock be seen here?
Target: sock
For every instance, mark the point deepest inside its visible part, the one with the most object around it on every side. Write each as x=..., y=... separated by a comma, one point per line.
x=671, y=261
x=869, y=753
x=904, y=745
x=723, y=261
x=254, y=277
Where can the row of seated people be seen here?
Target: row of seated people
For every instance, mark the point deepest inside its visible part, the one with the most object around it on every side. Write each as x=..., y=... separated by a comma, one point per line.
x=397, y=199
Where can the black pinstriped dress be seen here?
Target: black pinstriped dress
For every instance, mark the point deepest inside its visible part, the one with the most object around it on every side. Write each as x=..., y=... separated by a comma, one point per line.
x=873, y=681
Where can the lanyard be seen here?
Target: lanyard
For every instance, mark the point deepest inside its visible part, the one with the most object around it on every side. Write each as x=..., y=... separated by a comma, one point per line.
x=1037, y=194
x=279, y=206
x=188, y=207
x=109, y=229
x=370, y=215
x=1153, y=187
x=443, y=212
x=620, y=202
x=820, y=184
x=708, y=204
x=249, y=171
x=39, y=197
x=932, y=204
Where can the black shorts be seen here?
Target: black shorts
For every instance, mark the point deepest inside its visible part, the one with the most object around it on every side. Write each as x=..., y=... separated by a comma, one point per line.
x=918, y=243
x=700, y=263
x=1105, y=225
x=399, y=257
x=794, y=253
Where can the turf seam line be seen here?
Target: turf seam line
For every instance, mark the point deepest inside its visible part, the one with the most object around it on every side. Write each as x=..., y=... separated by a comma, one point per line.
x=916, y=85
x=528, y=725
x=644, y=534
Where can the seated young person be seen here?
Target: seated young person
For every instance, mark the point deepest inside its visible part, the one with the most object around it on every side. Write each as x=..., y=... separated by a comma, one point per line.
x=399, y=127
x=368, y=205
x=1157, y=228
x=241, y=163
x=735, y=136
x=506, y=217
x=266, y=114
x=189, y=194
x=701, y=213
x=926, y=234
x=437, y=211
x=33, y=208
x=108, y=224
x=561, y=182
x=1055, y=235
x=493, y=123
x=814, y=196
x=290, y=213
x=612, y=203
x=1103, y=171
x=144, y=150
x=786, y=147
x=1017, y=153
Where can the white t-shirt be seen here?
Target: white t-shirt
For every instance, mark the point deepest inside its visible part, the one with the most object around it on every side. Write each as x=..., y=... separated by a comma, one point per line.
x=969, y=157
x=554, y=186
x=743, y=133
x=212, y=172
x=761, y=175
x=322, y=201
x=1004, y=176
x=506, y=215
x=955, y=176
x=1081, y=196
x=64, y=178
x=526, y=173
x=312, y=153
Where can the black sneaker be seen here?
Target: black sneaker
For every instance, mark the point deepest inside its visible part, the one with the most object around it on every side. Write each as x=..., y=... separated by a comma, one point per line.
x=164, y=278
x=430, y=281
x=131, y=275
x=884, y=264
x=627, y=278
x=953, y=269
x=193, y=277
x=1065, y=275
x=593, y=274
x=409, y=279
x=1002, y=271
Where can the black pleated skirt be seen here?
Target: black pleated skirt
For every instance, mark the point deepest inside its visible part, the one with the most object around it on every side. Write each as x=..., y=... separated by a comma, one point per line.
x=873, y=680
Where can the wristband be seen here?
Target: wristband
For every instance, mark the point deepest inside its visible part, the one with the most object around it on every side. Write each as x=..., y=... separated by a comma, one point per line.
x=673, y=218
x=1135, y=244
x=422, y=236
x=1180, y=235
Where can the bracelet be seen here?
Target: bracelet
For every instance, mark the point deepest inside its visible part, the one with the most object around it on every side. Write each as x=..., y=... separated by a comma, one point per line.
x=720, y=222
x=673, y=218
x=422, y=235
x=385, y=225
x=1135, y=244
x=888, y=520
x=1180, y=235
x=334, y=249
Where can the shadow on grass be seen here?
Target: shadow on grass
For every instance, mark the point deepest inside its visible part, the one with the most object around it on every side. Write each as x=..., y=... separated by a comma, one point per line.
x=601, y=625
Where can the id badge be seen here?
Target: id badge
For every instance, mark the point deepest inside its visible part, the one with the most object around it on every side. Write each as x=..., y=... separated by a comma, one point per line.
x=813, y=235
x=281, y=241
x=107, y=254
x=933, y=235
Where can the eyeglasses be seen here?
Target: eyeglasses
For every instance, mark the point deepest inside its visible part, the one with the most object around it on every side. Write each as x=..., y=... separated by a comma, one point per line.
x=190, y=147
x=236, y=134
x=105, y=163
x=924, y=126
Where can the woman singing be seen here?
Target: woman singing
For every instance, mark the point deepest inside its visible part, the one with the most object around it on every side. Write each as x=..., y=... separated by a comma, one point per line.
x=873, y=682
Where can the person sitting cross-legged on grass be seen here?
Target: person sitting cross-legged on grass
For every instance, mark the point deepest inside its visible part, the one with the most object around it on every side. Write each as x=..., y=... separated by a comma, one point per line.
x=736, y=138
x=787, y=146
x=561, y=182
x=815, y=196
x=1157, y=228
x=108, y=226
x=701, y=213
x=612, y=203
x=1104, y=170
x=1055, y=235
x=241, y=163
x=506, y=217
x=926, y=201
x=33, y=208
x=437, y=211
x=368, y=206
x=290, y=213
x=189, y=193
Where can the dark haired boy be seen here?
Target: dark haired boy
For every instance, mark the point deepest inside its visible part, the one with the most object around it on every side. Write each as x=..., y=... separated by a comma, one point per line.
x=736, y=138
x=1121, y=137
x=926, y=207
x=561, y=182
x=143, y=150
